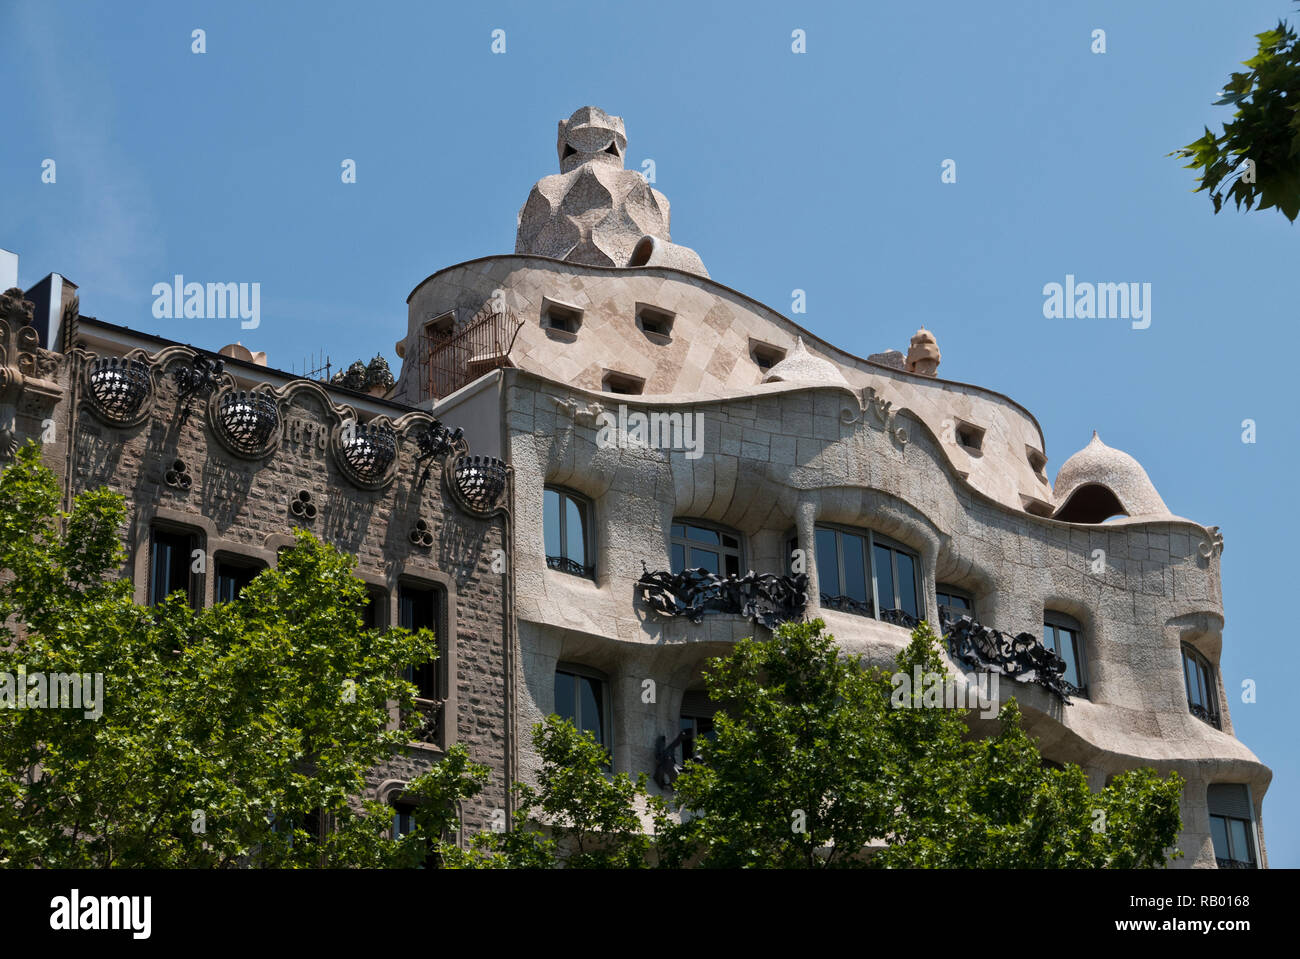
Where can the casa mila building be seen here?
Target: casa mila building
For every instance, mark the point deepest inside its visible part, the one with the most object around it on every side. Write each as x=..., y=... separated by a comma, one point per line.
x=668, y=466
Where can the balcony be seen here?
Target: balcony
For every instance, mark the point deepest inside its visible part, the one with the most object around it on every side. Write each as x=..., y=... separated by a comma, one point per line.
x=1233, y=863
x=453, y=359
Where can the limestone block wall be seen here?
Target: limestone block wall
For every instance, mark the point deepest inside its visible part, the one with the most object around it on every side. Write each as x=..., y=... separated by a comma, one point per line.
x=777, y=464
x=707, y=353
x=243, y=508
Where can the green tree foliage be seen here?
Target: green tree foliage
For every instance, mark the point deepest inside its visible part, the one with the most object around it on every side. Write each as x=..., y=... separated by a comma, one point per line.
x=1264, y=129
x=227, y=734
x=596, y=820
x=807, y=730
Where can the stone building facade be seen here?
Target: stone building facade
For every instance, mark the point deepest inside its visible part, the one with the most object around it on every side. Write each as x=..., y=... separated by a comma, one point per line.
x=687, y=466
x=229, y=461
x=910, y=496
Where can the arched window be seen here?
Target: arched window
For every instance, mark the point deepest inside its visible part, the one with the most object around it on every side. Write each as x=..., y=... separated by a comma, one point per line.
x=863, y=572
x=1202, y=700
x=1064, y=636
x=696, y=545
x=565, y=522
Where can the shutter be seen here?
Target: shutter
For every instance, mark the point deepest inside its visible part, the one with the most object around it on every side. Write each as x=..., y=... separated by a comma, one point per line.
x=1230, y=799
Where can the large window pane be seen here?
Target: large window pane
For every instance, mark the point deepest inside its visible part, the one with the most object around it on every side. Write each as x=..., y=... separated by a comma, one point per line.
x=576, y=531
x=1219, y=832
x=906, y=583
x=591, y=707
x=704, y=559
x=679, y=558
x=856, y=584
x=565, y=705
x=1241, y=849
x=828, y=564
x=702, y=535
x=884, y=577
x=551, y=521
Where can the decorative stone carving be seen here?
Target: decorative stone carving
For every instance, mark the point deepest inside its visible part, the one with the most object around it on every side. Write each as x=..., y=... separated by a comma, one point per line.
x=178, y=476
x=595, y=211
x=762, y=597
x=421, y=534
x=923, y=353
x=302, y=506
x=1212, y=546
x=884, y=413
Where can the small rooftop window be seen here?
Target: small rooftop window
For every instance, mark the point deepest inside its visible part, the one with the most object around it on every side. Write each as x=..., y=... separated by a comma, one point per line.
x=969, y=436
x=560, y=316
x=653, y=320
x=615, y=382
x=765, y=355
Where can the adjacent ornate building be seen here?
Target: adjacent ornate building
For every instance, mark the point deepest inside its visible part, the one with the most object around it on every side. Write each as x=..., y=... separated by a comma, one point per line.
x=686, y=467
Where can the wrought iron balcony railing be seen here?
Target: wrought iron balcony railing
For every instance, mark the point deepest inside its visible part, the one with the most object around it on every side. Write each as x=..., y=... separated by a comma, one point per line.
x=1022, y=657
x=763, y=597
x=572, y=567
x=1209, y=715
x=1233, y=863
x=431, y=714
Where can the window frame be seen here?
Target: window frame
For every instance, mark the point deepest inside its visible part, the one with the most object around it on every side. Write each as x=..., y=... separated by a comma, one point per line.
x=440, y=677
x=578, y=671
x=695, y=707
x=871, y=539
x=233, y=561
x=195, y=589
x=1206, y=673
x=953, y=592
x=1058, y=621
x=586, y=511
x=721, y=549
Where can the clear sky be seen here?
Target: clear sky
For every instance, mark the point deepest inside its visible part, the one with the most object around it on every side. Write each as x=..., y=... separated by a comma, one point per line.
x=817, y=171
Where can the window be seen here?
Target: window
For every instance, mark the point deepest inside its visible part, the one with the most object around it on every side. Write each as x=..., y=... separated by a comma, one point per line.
x=374, y=615
x=862, y=572
x=440, y=327
x=581, y=697
x=404, y=825
x=765, y=355
x=655, y=321
x=171, y=557
x=697, y=719
x=953, y=603
x=1231, y=825
x=1064, y=636
x=560, y=316
x=1202, y=700
x=419, y=607
x=232, y=575
x=969, y=436
x=624, y=383
x=704, y=547
x=564, y=527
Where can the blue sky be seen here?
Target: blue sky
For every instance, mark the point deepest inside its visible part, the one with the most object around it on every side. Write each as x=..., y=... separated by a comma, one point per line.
x=818, y=171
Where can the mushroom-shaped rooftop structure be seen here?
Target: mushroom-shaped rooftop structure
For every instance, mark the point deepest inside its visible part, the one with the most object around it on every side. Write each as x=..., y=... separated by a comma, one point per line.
x=1099, y=482
x=800, y=366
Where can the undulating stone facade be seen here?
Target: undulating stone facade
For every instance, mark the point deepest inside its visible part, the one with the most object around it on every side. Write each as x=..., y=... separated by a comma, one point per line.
x=665, y=432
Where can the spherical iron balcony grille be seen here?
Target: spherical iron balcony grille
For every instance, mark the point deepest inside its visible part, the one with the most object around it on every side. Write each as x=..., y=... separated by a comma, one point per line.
x=119, y=389
x=368, y=453
x=480, y=480
x=247, y=421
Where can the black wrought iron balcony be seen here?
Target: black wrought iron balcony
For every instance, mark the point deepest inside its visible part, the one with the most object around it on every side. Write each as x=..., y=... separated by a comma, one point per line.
x=431, y=718
x=572, y=567
x=1209, y=715
x=762, y=597
x=1233, y=863
x=1022, y=657
x=847, y=604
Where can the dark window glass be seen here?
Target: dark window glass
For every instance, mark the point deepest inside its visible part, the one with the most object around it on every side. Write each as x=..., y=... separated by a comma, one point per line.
x=1201, y=694
x=700, y=547
x=170, y=559
x=884, y=570
x=906, y=583
x=952, y=604
x=374, y=615
x=828, y=564
x=580, y=698
x=853, y=550
x=564, y=522
x=1232, y=845
x=231, y=578
x=1064, y=641
x=417, y=608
